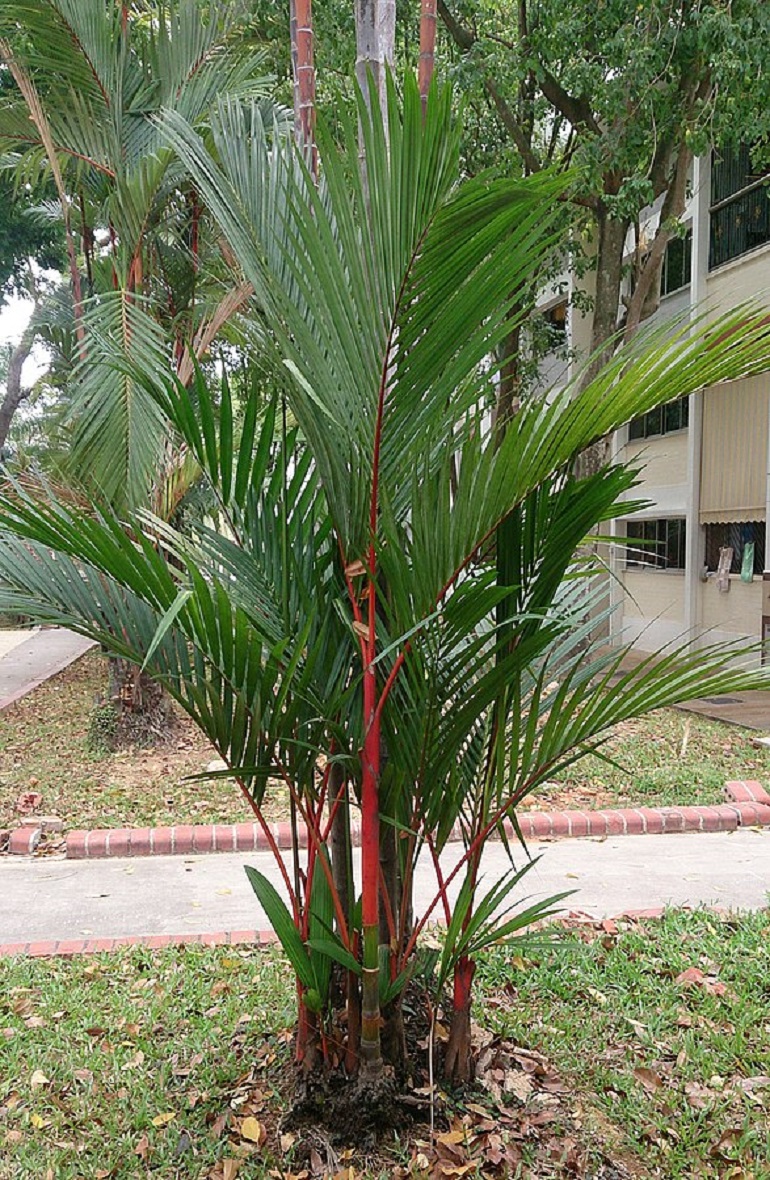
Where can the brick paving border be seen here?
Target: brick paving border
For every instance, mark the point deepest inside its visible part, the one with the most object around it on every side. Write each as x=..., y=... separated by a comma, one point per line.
x=749, y=805
x=90, y=946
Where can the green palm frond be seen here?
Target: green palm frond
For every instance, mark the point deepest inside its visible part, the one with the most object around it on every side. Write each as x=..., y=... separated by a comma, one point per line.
x=119, y=431
x=248, y=680
x=352, y=311
x=69, y=39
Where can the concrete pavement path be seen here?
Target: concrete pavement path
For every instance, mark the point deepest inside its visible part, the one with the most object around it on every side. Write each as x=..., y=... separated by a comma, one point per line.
x=41, y=654
x=11, y=639
x=52, y=899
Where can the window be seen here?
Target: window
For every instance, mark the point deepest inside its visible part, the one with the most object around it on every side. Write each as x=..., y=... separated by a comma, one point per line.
x=555, y=319
x=663, y=545
x=740, y=206
x=736, y=536
x=677, y=264
x=663, y=420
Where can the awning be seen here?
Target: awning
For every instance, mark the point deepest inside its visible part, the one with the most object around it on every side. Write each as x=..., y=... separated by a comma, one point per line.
x=734, y=454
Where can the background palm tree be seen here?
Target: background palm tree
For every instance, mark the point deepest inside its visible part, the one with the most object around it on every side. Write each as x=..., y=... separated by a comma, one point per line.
x=149, y=284
x=147, y=277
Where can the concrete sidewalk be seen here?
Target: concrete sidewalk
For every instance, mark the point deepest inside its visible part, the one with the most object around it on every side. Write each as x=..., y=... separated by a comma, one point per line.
x=28, y=659
x=52, y=899
x=11, y=639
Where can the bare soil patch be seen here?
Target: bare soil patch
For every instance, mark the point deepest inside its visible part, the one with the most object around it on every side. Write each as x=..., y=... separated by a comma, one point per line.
x=44, y=751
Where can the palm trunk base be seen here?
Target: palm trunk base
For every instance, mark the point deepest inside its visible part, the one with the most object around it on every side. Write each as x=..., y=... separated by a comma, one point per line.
x=306, y=1050
x=458, y=1061
x=394, y=1039
x=348, y=1108
x=135, y=711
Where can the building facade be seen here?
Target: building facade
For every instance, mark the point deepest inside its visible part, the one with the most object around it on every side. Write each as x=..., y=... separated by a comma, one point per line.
x=704, y=539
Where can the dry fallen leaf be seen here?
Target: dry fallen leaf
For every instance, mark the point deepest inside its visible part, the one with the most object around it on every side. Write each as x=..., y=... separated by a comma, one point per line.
x=694, y=977
x=38, y=1079
x=253, y=1130
x=316, y=1163
x=519, y=1084
x=651, y=1080
x=749, y=1085
x=450, y=1138
x=142, y=1148
x=135, y=1061
x=699, y=1097
x=162, y=1120
x=219, y=1125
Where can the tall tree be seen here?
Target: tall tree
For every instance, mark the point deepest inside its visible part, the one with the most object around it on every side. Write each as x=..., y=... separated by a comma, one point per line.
x=626, y=93
x=303, y=72
x=15, y=393
x=375, y=46
x=90, y=80
x=427, y=47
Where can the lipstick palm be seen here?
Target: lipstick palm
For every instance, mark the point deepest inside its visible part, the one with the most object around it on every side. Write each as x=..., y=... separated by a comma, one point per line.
x=358, y=601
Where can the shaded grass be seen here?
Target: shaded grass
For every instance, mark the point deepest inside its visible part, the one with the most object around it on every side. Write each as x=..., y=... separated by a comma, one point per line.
x=669, y=757
x=681, y=1068
x=44, y=748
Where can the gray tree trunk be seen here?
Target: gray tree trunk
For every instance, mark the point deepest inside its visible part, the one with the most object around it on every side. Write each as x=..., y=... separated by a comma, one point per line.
x=609, y=273
x=14, y=394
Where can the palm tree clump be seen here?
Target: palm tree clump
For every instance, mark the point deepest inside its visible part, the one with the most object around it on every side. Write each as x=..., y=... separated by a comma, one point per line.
x=395, y=615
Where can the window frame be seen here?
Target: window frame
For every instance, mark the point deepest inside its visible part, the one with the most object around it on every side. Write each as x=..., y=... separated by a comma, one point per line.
x=714, y=542
x=659, y=533
x=643, y=426
x=686, y=264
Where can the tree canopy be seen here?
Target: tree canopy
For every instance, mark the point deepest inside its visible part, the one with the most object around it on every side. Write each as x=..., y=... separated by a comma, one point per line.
x=625, y=94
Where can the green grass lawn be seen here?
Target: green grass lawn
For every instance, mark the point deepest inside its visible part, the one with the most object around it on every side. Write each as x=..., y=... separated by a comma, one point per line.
x=680, y=1069
x=169, y=1064
x=668, y=757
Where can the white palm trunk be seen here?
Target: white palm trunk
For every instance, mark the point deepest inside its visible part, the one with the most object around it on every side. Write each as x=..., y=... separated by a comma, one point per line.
x=375, y=45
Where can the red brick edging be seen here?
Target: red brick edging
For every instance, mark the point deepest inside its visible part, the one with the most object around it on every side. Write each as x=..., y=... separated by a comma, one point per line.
x=749, y=806
x=90, y=946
